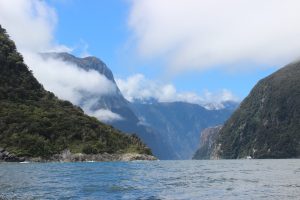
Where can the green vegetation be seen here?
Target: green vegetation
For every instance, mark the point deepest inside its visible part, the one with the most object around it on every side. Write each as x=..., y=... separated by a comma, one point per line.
x=33, y=122
x=267, y=124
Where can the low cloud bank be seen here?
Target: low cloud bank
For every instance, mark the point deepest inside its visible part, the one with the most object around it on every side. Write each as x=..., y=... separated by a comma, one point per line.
x=137, y=87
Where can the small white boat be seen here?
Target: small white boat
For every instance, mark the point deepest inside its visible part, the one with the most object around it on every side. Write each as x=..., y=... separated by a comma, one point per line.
x=248, y=157
x=24, y=162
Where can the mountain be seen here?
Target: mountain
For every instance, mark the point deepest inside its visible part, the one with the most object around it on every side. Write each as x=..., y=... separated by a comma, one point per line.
x=169, y=129
x=267, y=123
x=207, y=141
x=180, y=123
x=116, y=103
x=35, y=123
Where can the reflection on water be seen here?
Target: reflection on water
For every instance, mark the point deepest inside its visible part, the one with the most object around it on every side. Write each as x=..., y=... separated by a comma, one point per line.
x=225, y=179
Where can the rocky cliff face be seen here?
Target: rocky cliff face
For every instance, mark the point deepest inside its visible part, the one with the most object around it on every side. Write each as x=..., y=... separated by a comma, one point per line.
x=207, y=141
x=267, y=123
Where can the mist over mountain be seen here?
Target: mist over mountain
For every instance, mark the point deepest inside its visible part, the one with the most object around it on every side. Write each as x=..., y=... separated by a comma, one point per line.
x=169, y=129
x=114, y=102
x=92, y=101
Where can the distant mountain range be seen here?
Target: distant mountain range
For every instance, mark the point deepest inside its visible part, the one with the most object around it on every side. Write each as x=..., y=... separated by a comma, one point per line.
x=267, y=123
x=180, y=123
x=169, y=129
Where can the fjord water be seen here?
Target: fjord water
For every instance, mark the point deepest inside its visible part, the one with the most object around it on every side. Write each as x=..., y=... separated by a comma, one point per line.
x=206, y=179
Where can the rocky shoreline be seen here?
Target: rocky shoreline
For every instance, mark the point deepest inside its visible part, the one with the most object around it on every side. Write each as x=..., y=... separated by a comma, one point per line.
x=67, y=156
x=5, y=156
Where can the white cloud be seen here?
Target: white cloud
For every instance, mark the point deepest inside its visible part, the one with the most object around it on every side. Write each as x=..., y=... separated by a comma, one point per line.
x=105, y=115
x=67, y=80
x=200, y=34
x=84, y=46
x=31, y=24
x=137, y=87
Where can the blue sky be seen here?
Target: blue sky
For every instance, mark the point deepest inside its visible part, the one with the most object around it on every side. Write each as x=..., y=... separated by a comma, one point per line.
x=101, y=29
x=194, y=50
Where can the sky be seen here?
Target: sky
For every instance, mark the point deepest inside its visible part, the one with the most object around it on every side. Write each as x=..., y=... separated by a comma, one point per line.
x=192, y=50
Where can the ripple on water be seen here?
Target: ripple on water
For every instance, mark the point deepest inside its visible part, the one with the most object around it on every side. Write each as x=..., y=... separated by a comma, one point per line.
x=227, y=179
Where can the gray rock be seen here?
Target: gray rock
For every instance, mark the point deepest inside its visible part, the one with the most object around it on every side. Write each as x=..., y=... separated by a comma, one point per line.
x=5, y=156
x=207, y=143
x=67, y=156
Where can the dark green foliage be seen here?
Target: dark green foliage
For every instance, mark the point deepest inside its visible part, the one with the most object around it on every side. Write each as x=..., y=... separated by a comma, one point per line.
x=33, y=122
x=267, y=124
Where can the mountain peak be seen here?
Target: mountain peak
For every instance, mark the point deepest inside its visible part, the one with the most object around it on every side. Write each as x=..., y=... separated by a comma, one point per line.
x=86, y=63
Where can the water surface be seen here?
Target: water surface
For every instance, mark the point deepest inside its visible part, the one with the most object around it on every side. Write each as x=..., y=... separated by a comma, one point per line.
x=223, y=179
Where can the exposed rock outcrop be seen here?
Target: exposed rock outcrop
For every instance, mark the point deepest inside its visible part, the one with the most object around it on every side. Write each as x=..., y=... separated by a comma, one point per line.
x=207, y=140
x=67, y=156
x=5, y=156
